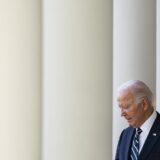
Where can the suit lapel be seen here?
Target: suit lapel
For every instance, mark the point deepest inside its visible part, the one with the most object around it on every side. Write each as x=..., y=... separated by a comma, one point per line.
x=129, y=142
x=152, y=138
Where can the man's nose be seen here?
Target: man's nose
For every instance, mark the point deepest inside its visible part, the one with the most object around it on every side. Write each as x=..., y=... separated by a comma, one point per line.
x=123, y=112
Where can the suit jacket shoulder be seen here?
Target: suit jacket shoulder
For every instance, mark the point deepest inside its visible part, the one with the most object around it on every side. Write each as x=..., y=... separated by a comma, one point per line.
x=123, y=147
x=151, y=148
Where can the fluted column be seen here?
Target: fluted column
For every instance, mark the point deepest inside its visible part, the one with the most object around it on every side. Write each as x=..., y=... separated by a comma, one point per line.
x=134, y=50
x=77, y=117
x=20, y=90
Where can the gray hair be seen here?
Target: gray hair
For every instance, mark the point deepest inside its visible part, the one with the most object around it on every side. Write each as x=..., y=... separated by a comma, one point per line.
x=139, y=89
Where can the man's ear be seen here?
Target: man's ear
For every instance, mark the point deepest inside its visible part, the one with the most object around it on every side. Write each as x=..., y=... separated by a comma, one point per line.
x=145, y=103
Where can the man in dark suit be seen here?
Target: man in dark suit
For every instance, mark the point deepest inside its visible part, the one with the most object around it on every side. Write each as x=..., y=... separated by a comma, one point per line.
x=135, y=100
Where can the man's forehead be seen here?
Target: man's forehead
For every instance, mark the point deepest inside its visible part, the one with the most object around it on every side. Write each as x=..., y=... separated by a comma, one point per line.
x=124, y=96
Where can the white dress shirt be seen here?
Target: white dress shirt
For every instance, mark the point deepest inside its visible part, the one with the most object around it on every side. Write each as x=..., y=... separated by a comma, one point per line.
x=146, y=127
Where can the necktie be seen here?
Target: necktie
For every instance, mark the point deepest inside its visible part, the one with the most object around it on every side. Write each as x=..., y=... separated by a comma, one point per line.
x=135, y=145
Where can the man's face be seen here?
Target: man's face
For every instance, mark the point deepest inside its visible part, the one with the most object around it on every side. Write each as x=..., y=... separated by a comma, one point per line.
x=132, y=112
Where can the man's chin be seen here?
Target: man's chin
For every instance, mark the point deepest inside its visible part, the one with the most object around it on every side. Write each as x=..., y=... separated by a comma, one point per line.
x=131, y=125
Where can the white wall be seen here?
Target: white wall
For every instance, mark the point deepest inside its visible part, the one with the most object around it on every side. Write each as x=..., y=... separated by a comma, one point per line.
x=134, y=50
x=77, y=80
x=20, y=88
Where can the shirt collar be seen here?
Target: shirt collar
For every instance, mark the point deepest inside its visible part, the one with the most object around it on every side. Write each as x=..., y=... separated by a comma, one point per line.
x=146, y=126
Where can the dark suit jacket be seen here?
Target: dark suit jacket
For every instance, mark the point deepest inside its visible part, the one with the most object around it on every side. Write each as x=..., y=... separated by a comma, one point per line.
x=151, y=148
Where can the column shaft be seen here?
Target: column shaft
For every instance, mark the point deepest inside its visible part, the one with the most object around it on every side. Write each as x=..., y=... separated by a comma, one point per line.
x=77, y=80
x=20, y=84
x=134, y=50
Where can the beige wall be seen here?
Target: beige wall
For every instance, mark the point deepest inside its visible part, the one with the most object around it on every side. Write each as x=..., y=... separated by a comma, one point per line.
x=77, y=80
x=20, y=87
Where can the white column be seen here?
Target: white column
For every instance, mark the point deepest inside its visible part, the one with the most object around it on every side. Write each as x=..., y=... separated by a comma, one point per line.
x=158, y=56
x=134, y=50
x=77, y=119
x=20, y=80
